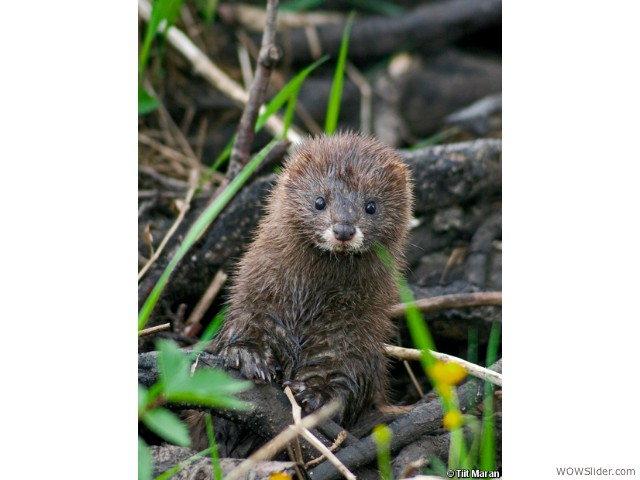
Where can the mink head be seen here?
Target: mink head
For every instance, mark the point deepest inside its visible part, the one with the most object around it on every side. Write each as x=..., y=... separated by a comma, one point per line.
x=344, y=194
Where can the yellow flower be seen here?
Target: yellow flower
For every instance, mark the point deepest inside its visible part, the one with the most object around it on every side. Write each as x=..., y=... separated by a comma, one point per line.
x=447, y=373
x=452, y=420
x=279, y=476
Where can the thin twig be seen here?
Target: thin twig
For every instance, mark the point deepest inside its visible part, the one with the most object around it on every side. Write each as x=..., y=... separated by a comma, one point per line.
x=334, y=446
x=193, y=182
x=446, y=302
x=157, y=328
x=162, y=179
x=268, y=57
x=297, y=417
x=168, y=152
x=272, y=447
x=207, y=298
x=203, y=66
x=413, y=378
x=472, y=369
x=158, y=194
x=366, y=97
x=174, y=133
x=245, y=65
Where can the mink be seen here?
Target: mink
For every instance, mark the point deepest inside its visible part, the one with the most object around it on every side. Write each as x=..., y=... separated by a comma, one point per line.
x=309, y=300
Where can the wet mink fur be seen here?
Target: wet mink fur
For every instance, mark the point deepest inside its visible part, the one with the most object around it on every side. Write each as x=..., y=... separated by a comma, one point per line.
x=309, y=299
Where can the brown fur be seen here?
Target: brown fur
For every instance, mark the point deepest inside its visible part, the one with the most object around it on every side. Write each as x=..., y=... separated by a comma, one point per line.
x=313, y=316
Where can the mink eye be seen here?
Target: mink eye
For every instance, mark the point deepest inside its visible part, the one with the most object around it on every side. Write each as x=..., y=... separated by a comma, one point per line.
x=320, y=203
x=370, y=208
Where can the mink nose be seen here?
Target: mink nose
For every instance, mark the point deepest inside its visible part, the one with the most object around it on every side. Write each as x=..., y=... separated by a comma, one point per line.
x=344, y=232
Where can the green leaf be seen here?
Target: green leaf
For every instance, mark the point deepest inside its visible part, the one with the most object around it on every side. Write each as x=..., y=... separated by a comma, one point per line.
x=143, y=396
x=200, y=225
x=145, y=462
x=146, y=103
x=173, y=366
x=205, y=387
x=168, y=426
x=218, y=382
x=215, y=460
x=211, y=387
x=333, y=109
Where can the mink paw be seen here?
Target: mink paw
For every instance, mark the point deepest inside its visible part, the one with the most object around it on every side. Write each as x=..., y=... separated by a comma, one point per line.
x=251, y=363
x=309, y=398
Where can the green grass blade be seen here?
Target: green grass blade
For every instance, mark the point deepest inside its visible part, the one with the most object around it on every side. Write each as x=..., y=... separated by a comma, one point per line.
x=289, y=93
x=146, y=103
x=333, y=109
x=417, y=327
x=200, y=225
x=436, y=139
x=382, y=436
x=208, y=333
x=290, y=89
x=172, y=471
x=161, y=10
x=208, y=9
x=215, y=461
x=488, y=443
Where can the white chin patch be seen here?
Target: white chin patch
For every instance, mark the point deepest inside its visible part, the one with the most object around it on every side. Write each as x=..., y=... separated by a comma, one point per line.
x=332, y=244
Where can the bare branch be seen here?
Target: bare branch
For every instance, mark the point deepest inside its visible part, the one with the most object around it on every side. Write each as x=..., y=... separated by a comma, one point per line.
x=471, y=368
x=268, y=57
x=446, y=302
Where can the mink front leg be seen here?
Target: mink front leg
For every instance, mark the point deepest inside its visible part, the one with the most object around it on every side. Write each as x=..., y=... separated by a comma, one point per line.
x=244, y=344
x=317, y=381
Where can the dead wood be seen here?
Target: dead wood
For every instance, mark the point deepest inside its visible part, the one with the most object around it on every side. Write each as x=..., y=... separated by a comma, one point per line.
x=477, y=266
x=424, y=419
x=167, y=456
x=414, y=96
x=428, y=27
x=453, y=174
x=414, y=457
x=481, y=117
